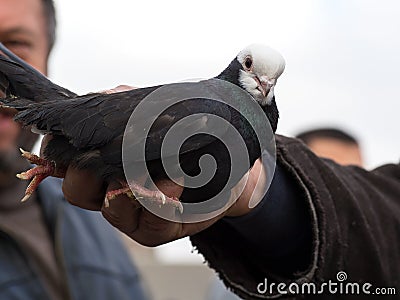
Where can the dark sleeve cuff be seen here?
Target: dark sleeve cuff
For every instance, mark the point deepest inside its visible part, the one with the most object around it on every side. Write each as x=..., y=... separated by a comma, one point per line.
x=285, y=223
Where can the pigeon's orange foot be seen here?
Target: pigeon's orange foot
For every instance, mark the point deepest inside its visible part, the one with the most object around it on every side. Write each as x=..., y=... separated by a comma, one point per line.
x=43, y=169
x=143, y=194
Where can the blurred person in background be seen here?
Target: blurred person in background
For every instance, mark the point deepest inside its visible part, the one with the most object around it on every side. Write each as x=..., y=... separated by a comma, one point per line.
x=49, y=249
x=333, y=143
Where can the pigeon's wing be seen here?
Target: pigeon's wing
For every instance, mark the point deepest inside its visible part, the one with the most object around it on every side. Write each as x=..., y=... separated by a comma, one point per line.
x=87, y=121
x=194, y=114
x=17, y=78
x=95, y=120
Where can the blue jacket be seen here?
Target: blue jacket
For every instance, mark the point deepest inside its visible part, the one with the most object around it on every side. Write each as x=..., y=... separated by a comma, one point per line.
x=96, y=265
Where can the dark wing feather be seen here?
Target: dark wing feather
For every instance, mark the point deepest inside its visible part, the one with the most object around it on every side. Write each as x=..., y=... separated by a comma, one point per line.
x=18, y=78
x=94, y=120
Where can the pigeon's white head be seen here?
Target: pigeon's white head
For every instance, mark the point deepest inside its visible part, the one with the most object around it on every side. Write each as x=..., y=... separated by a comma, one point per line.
x=262, y=66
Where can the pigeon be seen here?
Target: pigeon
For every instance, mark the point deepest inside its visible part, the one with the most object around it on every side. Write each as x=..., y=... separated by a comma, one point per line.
x=86, y=131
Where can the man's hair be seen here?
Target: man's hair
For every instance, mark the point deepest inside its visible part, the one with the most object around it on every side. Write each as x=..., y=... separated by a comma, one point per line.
x=50, y=15
x=331, y=133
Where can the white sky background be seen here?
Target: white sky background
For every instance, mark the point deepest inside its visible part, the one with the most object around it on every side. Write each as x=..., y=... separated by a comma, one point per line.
x=343, y=56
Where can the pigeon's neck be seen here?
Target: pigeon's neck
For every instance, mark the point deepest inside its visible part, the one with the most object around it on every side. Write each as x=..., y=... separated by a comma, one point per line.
x=271, y=110
x=231, y=73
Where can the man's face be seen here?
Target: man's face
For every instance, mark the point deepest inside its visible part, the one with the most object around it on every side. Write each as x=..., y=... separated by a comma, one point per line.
x=341, y=152
x=23, y=31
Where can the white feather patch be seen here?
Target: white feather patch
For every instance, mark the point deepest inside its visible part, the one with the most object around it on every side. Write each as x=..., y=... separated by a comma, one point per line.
x=266, y=60
x=247, y=81
x=267, y=65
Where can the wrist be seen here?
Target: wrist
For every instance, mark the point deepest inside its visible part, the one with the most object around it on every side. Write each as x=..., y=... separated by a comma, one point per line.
x=254, y=183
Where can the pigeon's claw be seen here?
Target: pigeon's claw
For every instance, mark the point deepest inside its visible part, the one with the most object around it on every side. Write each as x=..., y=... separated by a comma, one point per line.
x=111, y=195
x=33, y=158
x=43, y=169
x=33, y=186
x=136, y=191
x=47, y=170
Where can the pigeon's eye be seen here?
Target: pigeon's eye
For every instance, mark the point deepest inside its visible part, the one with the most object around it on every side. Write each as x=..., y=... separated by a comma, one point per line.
x=248, y=63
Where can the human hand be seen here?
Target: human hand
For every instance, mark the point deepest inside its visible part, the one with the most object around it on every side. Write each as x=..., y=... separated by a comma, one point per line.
x=118, y=89
x=81, y=188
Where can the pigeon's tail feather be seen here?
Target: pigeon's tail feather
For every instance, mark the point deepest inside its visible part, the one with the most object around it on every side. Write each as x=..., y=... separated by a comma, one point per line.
x=19, y=79
x=16, y=103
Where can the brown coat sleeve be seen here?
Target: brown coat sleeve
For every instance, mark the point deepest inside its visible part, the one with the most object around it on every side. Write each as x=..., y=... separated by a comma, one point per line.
x=355, y=221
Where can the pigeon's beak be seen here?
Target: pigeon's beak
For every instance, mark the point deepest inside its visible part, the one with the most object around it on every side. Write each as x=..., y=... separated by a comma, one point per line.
x=264, y=84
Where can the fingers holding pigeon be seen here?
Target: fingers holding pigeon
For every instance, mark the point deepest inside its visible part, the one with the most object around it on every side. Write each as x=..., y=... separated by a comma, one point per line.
x=145, y=227
x=82, y=188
